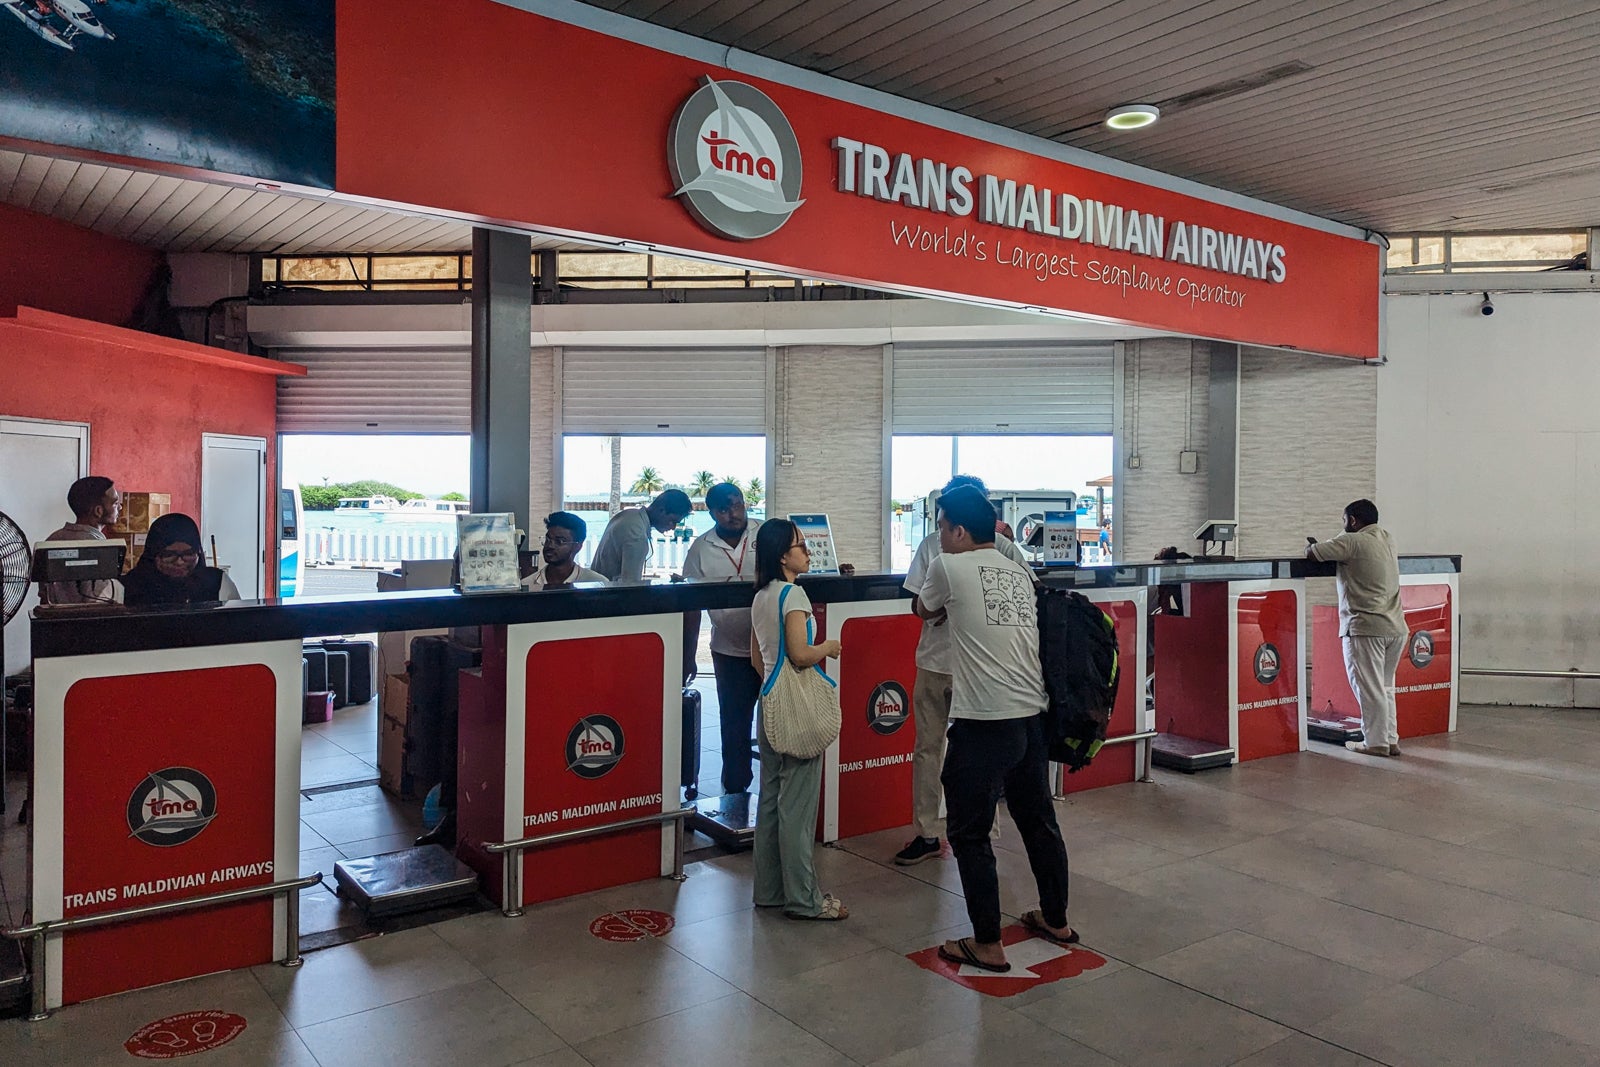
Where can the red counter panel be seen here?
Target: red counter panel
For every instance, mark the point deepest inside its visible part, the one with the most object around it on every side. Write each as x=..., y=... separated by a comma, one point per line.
x=877, y=675
x=1119, y=763
x=1267, y=659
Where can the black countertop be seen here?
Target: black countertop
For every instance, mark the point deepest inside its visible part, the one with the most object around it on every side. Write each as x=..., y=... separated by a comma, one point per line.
x=115, y=628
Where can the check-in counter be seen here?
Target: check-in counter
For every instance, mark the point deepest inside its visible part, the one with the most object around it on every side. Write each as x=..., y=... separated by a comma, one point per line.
x=1427, y=682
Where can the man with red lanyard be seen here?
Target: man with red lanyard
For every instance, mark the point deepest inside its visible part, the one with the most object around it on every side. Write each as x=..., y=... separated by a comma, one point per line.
x=726, y=553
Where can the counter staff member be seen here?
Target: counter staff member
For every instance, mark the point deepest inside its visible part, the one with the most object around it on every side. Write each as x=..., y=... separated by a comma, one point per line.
x=625, y=546
x=172, y=569
x=930, y=697
x=997, y=737
x=726, y=553
x=564, y=534
x=1371, y=622
x=95, y=502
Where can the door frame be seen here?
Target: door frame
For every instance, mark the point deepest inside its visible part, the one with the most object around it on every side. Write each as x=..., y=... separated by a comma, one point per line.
x=242, y=443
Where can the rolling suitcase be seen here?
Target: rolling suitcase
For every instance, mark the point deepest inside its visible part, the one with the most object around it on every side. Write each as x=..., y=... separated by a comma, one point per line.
x=339, y=677
x=363, y=671
x=691, y=744
x=316, y=673
x=431, y=727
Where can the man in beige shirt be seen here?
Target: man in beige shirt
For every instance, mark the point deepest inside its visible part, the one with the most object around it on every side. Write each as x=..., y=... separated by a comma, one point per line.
x=1371, y=622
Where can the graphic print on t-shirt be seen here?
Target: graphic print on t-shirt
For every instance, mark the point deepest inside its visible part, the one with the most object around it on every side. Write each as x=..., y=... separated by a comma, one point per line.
x=1007, y=597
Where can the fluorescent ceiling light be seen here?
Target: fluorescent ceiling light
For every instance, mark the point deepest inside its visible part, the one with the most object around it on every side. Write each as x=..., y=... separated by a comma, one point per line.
x=1132, y=116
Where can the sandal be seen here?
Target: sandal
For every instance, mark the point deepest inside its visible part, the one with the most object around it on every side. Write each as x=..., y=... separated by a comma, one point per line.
x=833, y=910
x=968, y=958
x=1034, y=921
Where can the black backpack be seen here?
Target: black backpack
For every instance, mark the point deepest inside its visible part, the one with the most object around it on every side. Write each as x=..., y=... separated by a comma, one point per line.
x=1078, y=651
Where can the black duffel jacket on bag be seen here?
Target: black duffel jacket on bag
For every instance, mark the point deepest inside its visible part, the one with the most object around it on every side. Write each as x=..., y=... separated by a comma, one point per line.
x=1078, y=652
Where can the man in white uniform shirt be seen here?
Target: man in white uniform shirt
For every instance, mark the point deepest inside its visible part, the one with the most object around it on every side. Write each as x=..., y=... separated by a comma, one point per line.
x=95, y=503
x=564, y=534
x=727, y=553
x=1372, y=624
x=930, y=697
x=997, y=739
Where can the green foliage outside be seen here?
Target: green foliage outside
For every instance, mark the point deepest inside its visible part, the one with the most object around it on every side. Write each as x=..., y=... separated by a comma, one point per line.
x=454, y=496
x=648, y=481
x=326, y=497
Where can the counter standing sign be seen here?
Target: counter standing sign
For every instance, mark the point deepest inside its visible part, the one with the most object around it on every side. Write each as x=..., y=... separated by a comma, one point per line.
x=487, y=547
x=1060, y=538
x=819, y=539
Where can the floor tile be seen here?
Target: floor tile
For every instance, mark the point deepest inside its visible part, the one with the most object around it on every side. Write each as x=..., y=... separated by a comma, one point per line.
x=1536, y=992
x=1006, y=1039
x=1558, y=938
x=477, y=1024
x=593, y=987
x=1138, y=1018
x=341, y=768
x=320, y=859
x=875, y=1005
x=376, y=846
x=755, y=946
x=1296, y=864
x=731, y=1031
x=890, y=908
x=359, y=796
x=1407, y=1027
x=341, y=981
x=1436, y=905
x=561, y=1057
x=1280, y=983
x=1130, y=927
x=358, y=824
x=1300, y=1050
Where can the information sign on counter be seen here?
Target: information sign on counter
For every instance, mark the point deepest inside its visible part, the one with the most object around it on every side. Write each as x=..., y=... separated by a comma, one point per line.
x=819, y=540
x=1060, y=538
x=487, y=546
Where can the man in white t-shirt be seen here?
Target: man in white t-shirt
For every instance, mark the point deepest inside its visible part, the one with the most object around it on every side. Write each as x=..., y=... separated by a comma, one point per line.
x=727, y=553
x=564, y=534
x=930, y=696
x=625, y=546
x=1372, y=624
x=996, y=739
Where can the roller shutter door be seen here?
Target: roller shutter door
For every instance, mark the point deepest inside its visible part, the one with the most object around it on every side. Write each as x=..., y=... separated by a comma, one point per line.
x=1003, y=389
x=673, y=391
x=377, y=390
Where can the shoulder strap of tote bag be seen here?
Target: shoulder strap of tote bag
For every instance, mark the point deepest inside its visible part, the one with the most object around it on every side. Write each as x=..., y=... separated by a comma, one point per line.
x=772, y=678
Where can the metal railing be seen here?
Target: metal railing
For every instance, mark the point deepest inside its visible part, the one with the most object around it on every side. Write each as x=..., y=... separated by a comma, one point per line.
x=511, y=875
x=38, y=932
x=1146, y=757
x=1495, y=672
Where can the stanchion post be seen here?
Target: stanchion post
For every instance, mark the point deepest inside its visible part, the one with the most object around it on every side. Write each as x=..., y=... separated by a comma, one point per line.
x=291, y=918
x=41, y=979
x=677, y=850
x=511, y=884
x=1147, y=750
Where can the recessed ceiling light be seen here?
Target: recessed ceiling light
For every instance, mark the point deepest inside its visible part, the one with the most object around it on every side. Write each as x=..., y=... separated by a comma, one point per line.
x=1132, y=116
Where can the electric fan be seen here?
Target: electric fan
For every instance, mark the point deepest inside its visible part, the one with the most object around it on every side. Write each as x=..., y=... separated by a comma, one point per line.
x=16, y=564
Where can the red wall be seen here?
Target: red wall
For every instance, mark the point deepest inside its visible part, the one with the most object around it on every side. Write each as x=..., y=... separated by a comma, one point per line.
x=145, y=406
x=56, y=266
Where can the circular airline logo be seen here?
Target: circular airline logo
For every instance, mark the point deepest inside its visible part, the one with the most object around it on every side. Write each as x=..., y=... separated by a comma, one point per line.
x=1421, y=650
x=594, y=746
x=1267, y=664
x=888, y=708
x=735, y=160
x=171, y=807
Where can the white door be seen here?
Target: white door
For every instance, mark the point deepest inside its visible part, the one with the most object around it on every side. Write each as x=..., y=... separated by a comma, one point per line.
x=39, y=461
x=233, y=507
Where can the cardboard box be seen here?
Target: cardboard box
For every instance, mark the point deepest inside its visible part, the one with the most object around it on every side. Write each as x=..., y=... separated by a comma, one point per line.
x=394, y=709
x=139, y=510
x=135, y=543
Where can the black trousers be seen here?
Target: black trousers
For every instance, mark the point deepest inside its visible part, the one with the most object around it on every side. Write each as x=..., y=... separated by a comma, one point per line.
x=984, y=758
x=738, y=689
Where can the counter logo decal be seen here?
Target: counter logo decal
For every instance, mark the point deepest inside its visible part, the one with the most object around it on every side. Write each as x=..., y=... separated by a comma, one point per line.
x=171, y=807
x=1421, y=650
x=735, y=160
x=1267, y=664
x=888, y=708
x=594, y=746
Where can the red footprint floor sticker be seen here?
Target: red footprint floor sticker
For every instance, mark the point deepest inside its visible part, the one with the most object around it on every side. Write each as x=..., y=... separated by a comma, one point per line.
x=632, y=924
x=1034, y=962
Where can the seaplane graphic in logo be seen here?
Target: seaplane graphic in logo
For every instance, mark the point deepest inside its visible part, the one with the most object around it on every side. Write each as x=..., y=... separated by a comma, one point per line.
x=888, y=708
x=735, y=160
x=594, y=746
x=171, y=806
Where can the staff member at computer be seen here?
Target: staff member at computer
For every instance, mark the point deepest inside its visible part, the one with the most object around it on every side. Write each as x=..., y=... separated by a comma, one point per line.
x=625, y=546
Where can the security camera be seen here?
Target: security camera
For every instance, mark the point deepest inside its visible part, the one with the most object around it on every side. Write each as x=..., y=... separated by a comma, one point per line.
x=1487, y=307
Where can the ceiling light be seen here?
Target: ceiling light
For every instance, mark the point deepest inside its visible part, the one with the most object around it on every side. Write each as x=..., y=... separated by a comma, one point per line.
x=1132, y=116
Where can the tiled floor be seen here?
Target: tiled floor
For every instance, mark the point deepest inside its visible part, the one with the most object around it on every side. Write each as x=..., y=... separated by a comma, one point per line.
x=1318, y=909
x=343, y=750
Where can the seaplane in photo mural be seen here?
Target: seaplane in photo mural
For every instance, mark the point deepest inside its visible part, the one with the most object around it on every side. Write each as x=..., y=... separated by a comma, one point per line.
x=76, y=20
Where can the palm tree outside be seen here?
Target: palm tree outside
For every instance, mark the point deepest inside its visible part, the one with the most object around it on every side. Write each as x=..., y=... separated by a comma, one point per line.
x=614, y=504
x=702, y=483
x=648, y=481
x=754, y=493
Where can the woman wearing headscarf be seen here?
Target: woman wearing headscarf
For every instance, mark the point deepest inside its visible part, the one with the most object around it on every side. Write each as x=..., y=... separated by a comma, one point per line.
x=172, y=569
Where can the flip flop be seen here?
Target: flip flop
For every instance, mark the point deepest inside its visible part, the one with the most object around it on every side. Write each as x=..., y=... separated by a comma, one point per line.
x=1034, y=921
x=969, y=958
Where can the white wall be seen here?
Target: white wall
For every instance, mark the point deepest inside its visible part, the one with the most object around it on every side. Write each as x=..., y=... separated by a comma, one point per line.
x=1164, y=391
x=1489, y=445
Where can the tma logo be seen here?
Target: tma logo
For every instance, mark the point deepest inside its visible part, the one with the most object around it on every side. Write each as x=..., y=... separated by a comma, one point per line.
x=735, y=160
x=888, y=708
x=1421, y=649
x=171, y=807
x=594, y=746
x=1267, y=664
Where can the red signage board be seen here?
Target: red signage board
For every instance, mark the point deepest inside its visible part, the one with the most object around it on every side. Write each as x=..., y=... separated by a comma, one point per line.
x=168, y=793
x=1422, y=682
x=537, y=123
x=1269, y=673
x=593, y=756
x=878, y=731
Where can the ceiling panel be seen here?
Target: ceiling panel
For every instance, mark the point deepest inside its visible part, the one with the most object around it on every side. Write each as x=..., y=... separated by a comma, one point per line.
x=1412, y=114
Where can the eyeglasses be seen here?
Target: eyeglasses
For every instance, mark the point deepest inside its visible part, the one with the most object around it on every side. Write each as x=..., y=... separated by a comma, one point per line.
x=802, y=546
x=175, y=557
x=558, y=542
